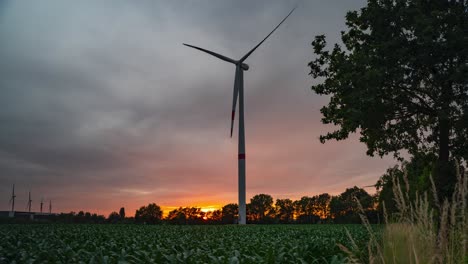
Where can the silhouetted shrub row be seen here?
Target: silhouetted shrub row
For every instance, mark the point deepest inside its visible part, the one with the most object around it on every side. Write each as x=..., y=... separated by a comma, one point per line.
x=262, y=209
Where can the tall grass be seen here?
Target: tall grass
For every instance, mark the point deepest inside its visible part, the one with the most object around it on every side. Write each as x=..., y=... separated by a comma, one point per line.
x=421, y=231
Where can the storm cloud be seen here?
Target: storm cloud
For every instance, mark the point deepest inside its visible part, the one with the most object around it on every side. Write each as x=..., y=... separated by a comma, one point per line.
x=102, y=106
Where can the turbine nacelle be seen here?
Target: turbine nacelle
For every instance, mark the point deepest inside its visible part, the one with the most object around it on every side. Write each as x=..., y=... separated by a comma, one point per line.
x=245, y=66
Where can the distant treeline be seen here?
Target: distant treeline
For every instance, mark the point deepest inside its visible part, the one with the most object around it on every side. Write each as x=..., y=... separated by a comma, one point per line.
x=262, y=209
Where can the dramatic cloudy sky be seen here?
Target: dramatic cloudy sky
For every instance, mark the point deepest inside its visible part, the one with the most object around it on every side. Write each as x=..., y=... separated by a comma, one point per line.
x=101, y=106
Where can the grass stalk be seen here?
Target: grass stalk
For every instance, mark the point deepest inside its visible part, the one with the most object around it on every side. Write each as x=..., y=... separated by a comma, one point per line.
x=416, y=235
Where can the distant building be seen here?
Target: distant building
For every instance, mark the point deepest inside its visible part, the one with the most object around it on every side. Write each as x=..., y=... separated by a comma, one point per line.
x=26, y=215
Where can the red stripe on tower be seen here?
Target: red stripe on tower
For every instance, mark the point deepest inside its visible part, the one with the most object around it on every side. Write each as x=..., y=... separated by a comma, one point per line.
x=242, y=156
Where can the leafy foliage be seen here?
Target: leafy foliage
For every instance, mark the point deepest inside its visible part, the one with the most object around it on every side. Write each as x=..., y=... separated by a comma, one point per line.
x=150, y=214
x=400, y=80
x=284, y=210
x=175, y=244
x=345, y=208
x=113, y=218
x=186, y=215
x=261, y=208
x=230, y=212
x=418, y=171
x=305, y=210
x=122, y=213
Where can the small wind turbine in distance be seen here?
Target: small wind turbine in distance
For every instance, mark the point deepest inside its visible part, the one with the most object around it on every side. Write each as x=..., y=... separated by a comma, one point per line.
x=50, y=206
x=42, y=203
x=29, y=202
x=12, y=201
x=239, y=92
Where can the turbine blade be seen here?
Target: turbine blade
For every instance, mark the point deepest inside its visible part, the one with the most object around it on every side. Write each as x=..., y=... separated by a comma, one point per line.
x=234, y=97
x=258, y=45
x=219, y=56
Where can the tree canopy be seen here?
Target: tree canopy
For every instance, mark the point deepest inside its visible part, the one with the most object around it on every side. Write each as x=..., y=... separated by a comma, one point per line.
x=346, y=207
x=150, y=214
x=261, y=207
x=414, y=174
x=400, y=80
x=285, y=210
x=230, y=213
x=122, y=213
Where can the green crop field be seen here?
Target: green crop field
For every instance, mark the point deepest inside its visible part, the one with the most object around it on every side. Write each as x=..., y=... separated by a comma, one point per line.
x=50, y=243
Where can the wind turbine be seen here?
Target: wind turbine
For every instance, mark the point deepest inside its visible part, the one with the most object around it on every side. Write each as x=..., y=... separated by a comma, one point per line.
x=50, y=206
x=29, y=202
x=42, y=202
x=239, y=92
x=12, y=199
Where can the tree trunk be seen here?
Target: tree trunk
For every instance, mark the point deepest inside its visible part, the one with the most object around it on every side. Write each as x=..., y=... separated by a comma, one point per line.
x=445, y=177
x=444, y=131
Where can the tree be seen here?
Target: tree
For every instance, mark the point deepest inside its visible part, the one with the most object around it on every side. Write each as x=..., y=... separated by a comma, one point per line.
x=230, y=213
x=122, y=213
x=215, y=216
x=345, y=209
x=400, y=81
x=417, y=173
x=322, y=205
x=97, y=219
x=177, y=216
x=113, y=218
x=194, y=215
x=284, y=210
x=305, y=210
x=350, y=195
x=80, y=217
x=151, y=214
x=384, y=186
x=337, y=207
x=261, y=206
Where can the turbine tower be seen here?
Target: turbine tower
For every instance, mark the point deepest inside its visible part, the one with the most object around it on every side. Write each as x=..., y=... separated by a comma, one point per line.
x=42, y=203
x=50, y=206
x=12, y=199
x=239, y=92
x=29, y=202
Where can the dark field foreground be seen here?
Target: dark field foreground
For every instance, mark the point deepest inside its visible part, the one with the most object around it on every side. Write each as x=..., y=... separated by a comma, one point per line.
x=54, y=243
